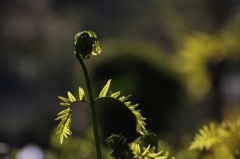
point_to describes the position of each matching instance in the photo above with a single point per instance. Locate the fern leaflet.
(63, 128)
(140, 123)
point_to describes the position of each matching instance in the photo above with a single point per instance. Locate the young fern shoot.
(64, 127)
(87, 44)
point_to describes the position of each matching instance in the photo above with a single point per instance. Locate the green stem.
(92, 105)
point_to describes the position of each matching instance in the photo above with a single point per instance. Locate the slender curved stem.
(92, 105)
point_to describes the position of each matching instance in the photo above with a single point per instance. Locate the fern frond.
(140, 123)
(64, 126)
(231, 138)
(232, 126)
(206, 138)
(222, 151)
(224, 139)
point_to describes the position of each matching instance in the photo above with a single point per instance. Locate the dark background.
(178, 59)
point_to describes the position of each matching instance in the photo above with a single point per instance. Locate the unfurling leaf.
(104, 91)
(86, 44)
(118, 143)
(140, 123)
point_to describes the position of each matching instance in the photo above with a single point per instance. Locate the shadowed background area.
(178, 60)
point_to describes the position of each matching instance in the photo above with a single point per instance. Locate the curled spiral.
(86, 44)
(121, 149)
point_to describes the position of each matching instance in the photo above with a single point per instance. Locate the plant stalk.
(93, 110)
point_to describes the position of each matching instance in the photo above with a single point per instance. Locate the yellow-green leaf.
(138, 149)
(122, 98)
(60, 127)
(154, 155)
(62, 116)
(104, 91)
(131, 108)
(64, 99)
(81, 94)
(146, 150)
(116, 94)
(206, 138)
(65, 104)
(135, 105)
(65, 130)
(61, 139)
(64, 111)
(127, 103)
(71, 97)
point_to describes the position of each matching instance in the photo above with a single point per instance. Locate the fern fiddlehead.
(87, 44)
(121, 149)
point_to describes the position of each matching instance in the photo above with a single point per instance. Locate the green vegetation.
(219, 141)
(222, 141)
(179, 61)
(86, 44)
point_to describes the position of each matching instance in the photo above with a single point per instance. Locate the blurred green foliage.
(75, 147)
(199, 51)
(220, 140)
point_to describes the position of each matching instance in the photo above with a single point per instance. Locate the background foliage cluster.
(221, 140)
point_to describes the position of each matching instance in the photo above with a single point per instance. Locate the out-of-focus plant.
(144, 147)
(87, 44)
(75, 147)
(196, 52)
(199, 51)
(220, 140)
